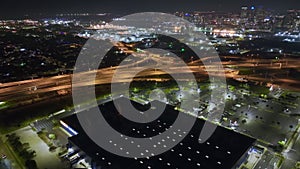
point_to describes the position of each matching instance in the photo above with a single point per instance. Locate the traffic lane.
(265, 161)
(294, 153)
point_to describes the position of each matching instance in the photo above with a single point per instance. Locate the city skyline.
(15, 10)
(111, 85)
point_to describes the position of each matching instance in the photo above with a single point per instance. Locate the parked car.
(3, 156)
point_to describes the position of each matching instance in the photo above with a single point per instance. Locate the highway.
(276, 72)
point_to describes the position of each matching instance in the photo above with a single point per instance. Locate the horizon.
(32, 8)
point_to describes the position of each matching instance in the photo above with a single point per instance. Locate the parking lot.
(43, 155)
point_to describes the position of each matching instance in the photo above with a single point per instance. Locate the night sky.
(18, 8)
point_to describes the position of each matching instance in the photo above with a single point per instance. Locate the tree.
(31, 164)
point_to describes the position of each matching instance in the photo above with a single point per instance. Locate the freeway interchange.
(256, 113)
(266, 71)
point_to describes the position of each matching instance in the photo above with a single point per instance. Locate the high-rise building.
(244, 12)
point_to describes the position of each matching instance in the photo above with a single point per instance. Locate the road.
(27, 91)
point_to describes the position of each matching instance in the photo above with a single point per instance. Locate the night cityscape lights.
(257, 46)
